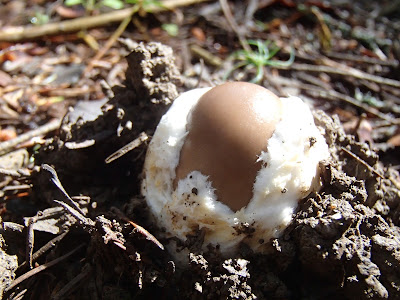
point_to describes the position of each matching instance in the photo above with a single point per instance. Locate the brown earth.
(344, 242)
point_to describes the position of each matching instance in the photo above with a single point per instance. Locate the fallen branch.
(14, 34)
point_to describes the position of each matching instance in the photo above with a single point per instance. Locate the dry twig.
(125, 149)
(138, 228)
(363, 162)
(10, 226)
(121, 28)
(208, 57)
(87, 222)
(363, 59)
(30, 236)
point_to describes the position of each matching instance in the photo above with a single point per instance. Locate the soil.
(83, 230)
(344, 241)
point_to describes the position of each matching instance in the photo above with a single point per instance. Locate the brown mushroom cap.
(227, 130)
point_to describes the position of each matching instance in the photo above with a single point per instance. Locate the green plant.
(171, 29)
(92, 4)
(40, 19)
(259, 58)
(368, 98)
(145, 5)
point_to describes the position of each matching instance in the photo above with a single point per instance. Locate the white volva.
(289, 173)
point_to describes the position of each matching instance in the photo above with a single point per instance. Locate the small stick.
(40, 269)
(251, 9)
(9, 146)
(358, 124)
(30, 239)
(58, 184)
(77, 215)
(9, 172)
(17, 187)
(139, 228)
(52, 243)
(209, 58)
(48, 213)
(121, 28)
(125, 149)
(20, 295)
(201, 73)
(147, 234)
(30, 236)
(363, 59)
(371, 169)
(10, 226)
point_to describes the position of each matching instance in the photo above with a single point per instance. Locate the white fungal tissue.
(289, 172)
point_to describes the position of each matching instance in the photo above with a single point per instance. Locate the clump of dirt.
(228, 280)
(95, 130)
(344, 241)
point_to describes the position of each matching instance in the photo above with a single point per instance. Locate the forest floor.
(73, 222)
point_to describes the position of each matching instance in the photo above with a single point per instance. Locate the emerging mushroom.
(230, 158)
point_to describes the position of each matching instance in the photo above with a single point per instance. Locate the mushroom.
(233, 161)
(227, 130)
